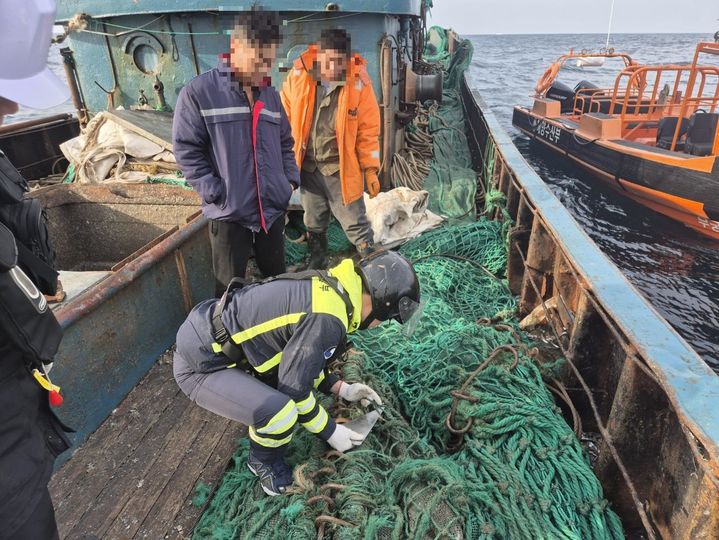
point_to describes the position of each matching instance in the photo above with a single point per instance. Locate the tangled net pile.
(470, 443)
(518, 471)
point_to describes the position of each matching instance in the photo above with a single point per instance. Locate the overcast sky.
(576, 16)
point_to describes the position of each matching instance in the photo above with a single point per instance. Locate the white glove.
(357, 392)
(344, 439)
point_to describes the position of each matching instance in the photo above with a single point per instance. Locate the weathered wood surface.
(135, 477)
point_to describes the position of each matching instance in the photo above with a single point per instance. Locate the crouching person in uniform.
(233, 143)
(31, 436)
(258, 355)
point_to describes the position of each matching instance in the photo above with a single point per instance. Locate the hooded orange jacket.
(357, 125)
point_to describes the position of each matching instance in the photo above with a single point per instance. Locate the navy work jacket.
(240, 160)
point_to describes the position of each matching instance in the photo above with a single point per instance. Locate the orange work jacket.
(357, 125)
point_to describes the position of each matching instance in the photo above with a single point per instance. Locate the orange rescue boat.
(654, 136)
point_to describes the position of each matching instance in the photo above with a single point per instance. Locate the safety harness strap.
(229, 348)
(232, 350)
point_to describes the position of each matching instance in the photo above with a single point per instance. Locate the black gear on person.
(317, 244)
(392, 284)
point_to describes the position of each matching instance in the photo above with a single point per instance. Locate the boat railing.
(653, 92)
(593, 100)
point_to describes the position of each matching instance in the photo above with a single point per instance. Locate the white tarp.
(105, 144)
(400, 214)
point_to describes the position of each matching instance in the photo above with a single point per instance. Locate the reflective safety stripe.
(318, 380)
(268, 443)
(306, 405)
(325, 300)
(318, 423)
(267, 326)
(374, 153)
(270, 113)
(282, 421)
(269, 364)
(225, 110)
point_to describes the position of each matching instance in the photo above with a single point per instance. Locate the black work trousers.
(41, 525)
(232, 245)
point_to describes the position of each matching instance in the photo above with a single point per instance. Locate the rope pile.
(470, 444)
(411, 164)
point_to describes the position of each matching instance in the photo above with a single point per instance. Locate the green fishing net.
(517, 472)
(296, 250)
(471, 444)
(451, 182)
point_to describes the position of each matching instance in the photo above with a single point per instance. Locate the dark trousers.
(321, 197)
(239, 396)
(232, 245)
(41, 525)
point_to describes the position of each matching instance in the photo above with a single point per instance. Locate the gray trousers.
(321, 197)
(236, 395)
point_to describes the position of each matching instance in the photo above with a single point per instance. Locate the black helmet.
(392, 283)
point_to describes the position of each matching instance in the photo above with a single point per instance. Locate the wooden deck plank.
(182, 441)
(160, 520)
(75, 486)
(211, 475)
(135, 477)
(133, 471)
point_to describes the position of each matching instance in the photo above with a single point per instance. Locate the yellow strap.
(269, 364)
(47, 385)
(306, 405)
(282, 421)
(318, 423)
(326, 300)
(267, 326)
(269, 443)
(318, 380)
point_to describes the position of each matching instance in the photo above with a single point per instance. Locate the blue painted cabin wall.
(93, 58)
(66, 9)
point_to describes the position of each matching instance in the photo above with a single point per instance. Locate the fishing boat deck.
(136, 475)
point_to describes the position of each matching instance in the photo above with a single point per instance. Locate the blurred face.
(332, 65)
(6, 107)
(250, 61)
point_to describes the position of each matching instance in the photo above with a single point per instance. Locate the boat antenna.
(609, 29)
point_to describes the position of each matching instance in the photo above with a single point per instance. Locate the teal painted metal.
(66, 9)
(116, 330)
(105, 62)
(685, 377)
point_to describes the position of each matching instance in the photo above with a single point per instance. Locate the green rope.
(520, 472)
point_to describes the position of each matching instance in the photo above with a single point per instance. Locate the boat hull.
(682, 187)
(631, 378)
(152, 256)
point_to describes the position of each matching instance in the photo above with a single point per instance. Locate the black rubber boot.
(365, 248)
(317, 243)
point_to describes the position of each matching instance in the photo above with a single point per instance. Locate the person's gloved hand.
(373, 185)
(357, 392)
(344, 439)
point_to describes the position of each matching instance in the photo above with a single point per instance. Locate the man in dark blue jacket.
(234, 145)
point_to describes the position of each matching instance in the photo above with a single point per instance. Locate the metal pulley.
(422, 87)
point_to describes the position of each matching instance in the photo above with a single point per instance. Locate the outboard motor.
(562, 93)
(587, 89)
